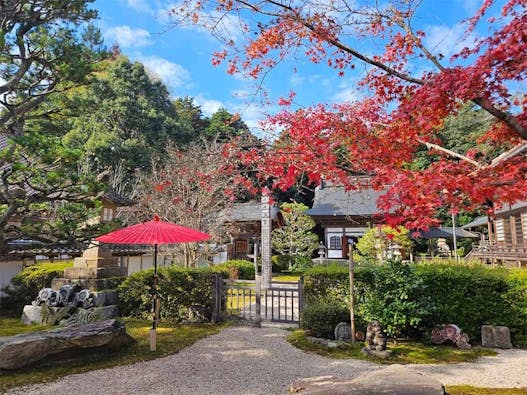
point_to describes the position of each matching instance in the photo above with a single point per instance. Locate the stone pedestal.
(92, 269)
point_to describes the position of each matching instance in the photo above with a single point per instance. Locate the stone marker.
(394, 380)
(21, 350)
(343, 331)
(495, 336)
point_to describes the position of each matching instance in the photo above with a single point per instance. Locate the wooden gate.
(282, 302)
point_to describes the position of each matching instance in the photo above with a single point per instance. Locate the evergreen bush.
(413, 299)
(180, 290)
(25, 285)
(237, 269)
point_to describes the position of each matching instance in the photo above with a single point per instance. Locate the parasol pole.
(155, 307)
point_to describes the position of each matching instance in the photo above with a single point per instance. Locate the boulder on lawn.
(24, 349)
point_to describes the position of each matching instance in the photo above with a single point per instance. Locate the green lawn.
(294, 277)
(170, 339)
(403, 352)
(469, 390)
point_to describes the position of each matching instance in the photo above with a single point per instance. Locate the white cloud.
(348, 91)
(140, 5)
(128, 37)
(446, 40)
(209, 106)
(172, 74)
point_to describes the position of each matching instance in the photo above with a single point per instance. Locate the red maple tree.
(404, 109)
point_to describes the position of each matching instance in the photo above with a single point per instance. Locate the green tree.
(224, 126)
(190, 115)
(123, 118)
(379, 242)
(295, 238)
(43, 55)
(40, 53)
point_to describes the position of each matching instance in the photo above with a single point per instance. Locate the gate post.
(258, 307)
(300, 298)
(217, 293)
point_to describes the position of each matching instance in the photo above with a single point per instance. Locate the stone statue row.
(65, 296)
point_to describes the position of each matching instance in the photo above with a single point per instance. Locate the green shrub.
(395, 297)
(237, 269)
(180, 291)
(516, 298)
(416, 298)
(332, 282)
(280, 263)
(468, 296)
(321, 318)
(25, 285)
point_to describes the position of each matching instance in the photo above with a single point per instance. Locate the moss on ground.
(171, 338)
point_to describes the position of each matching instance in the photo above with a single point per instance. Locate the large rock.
(495, 336)
(394, 380)
(24, 349)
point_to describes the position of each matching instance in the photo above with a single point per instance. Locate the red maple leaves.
(384, 134)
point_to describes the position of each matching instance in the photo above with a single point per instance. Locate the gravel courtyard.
(246, 360)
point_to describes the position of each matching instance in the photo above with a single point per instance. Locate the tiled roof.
(335, 200)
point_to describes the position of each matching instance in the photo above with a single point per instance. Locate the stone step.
(393, 380)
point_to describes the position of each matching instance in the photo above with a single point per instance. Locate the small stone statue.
(65, 295)
(45, 296)
(343, 331)
(375, 338)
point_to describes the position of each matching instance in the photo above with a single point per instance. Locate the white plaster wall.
(8, 269)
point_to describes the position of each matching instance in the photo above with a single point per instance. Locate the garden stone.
(451, 332)
(102, 298)
(24, 349)
(85, 316)
(394, 380)
(31, 315)
(495, 336)
(343, 331)
(382, 354)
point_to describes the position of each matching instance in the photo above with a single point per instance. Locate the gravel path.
(245, 360)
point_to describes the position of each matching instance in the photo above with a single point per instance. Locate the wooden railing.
(500, 251)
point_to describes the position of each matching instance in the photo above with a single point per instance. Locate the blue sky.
(182, 57)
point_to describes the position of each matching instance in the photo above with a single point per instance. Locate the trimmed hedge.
(25, 285)
(466, 295)
(237, 269)
(180, 290)
(321, 318)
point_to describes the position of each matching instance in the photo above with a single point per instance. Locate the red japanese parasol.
(154, 233)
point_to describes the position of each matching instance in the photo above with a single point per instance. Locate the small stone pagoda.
(85, 294)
